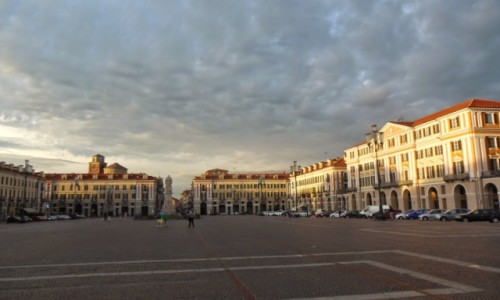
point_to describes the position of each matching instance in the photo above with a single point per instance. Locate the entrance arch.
(383, 198)
(432, 194)
(369, 199)
(78, 209)
(406, 200)
(460, 197)
(249, 208)
(491, 199)
(394, 200)
(203, 208)
(354, 206)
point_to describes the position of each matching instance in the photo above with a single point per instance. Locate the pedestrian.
(159, 220)
(190, 218)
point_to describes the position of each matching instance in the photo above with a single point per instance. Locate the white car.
(305, 214)
(403, 215)
(431, 215)
(338, 214)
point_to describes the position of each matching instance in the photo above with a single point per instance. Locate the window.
(456, 146)
(404, 139)
(428, 152)
(392, 143)
(435, 128)
(491, 118)
(458, 167)
(430, 172)
(404, 157)
(440, 170)
(454, 123)
(438, 150)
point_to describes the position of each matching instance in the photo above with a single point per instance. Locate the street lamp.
(294, 169)
(261, 183)
(376, 138)
(27, 170)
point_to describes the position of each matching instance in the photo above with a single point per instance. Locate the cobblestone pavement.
(249, 257)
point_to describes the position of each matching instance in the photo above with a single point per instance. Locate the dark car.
(351, 214)
(479, 215)
(15, 219)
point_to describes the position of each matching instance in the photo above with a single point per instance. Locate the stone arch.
(203, 208)
(406, 200)
(460, 197)
(354, 206)
(491, 196)
(369, 199)
(394, 200)
(383, 198)
(432, 195)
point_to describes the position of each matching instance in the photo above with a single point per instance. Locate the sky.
(180, 87)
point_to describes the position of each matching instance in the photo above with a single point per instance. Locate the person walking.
(191, 218)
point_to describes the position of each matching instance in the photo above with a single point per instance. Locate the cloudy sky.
(179, 87)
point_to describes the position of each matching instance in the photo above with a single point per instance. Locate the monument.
(168, 205)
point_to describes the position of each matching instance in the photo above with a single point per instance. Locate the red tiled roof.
(479, 103)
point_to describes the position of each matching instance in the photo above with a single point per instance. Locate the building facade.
(20, 189)
(220, 192)
(449, 159)
(318, 186)
(104, 190)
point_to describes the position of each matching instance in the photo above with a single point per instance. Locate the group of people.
(162, 218)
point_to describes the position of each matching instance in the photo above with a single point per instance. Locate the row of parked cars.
(458, 214)
(37, 218)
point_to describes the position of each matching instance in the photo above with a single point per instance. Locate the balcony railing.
(351, 190)
(489, 174)
(455, 177)
(394, 184)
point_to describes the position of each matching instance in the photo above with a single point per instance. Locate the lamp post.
(294, 169)
(27, 170)
(376, 138)
(261, 183)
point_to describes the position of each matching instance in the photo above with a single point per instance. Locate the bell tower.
(97, 165)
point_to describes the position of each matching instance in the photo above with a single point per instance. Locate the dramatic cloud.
(179, 87)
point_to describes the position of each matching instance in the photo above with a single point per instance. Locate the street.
(249, 257)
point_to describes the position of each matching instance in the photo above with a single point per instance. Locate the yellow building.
(20, 189)
(449, 159)
(220, 192)
(318, 186)
(104, 190)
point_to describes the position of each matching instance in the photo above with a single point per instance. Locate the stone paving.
(249, 257)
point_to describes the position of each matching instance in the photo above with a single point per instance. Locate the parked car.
(52, 218)
(414, 214)
(450, 215)
(320, 213)
(351, 214)
(305, 213)
(26, 218)
(337, 213)
(14, 219)
(39, 218)
(479, 215)
(77, 216)
(391, 214)
(403, 215)
(431, 215)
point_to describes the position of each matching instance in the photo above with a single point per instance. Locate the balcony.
(490, 174)
(350, 190)
(455, 177)
(394, 184)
